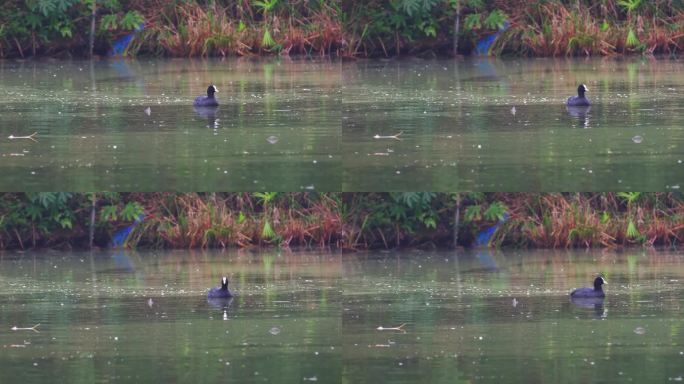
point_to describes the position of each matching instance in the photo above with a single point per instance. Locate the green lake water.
(145, 318)
(293, 125)
(502, 125)
(277, 127)
(476, 316)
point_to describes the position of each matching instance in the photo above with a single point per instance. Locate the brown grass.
(196, 30)
(592, 220)
(556, 29)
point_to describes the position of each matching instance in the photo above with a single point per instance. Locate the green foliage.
(632, 231)
(398, 22)
(582, 233)
(267, 232)
(473, 213)
(605, 217)
(131, 211)
(629, 5)
(109, 22)
(632, 40)
(47, 209)
(413, 7)
(109, 213)
(241, 26)
(414, 210)
(473, 21)
(46, 19)
(496, 19)
(629, 197)
(182, 28)
(497, 210)
(605, 26)
(50, 7)
(116, 210)
(265, 198)
(266, 6)
(413, 199)
(267, 41)
(116, 21)
(364, 220)
(48, 23)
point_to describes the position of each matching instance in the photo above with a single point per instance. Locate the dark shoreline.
(341, 28)
(341, 221)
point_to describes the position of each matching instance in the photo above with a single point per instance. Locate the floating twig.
(389, 344)
(15, 328)
(395, 137)
(398, 328)
(30, 137)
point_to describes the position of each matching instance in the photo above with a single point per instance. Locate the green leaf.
(629, 5)
(472, 21)
(410, 6)
(632, 231)
(267, 232)
(604, 26)
(428, 29)
(429, 222)
(629, 197)
(265, 197)
(267, 41)
(475, 4)
(47, 6)
(241, 26)
(397, 213)
(265, 6)
(108, 213)
(132, 20)
(108, 23)
(132, 211)
(65, 31)
(632, 40)
(34, 212)
(605, 217)
(65, 222)
(496, 19)
(496, 211)
(473, 213)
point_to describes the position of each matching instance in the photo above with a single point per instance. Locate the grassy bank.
(341, 220)
(341, 27)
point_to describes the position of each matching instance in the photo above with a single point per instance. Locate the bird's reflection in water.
(580, 113)
(208, 113)
(220, 303)
(595, 303)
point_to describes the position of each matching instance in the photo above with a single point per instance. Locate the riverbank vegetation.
(345, 28)
(348, 221)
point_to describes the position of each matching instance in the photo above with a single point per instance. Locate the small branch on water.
(15, 328)
(395, 137)
(29, 137)
(398, 328)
